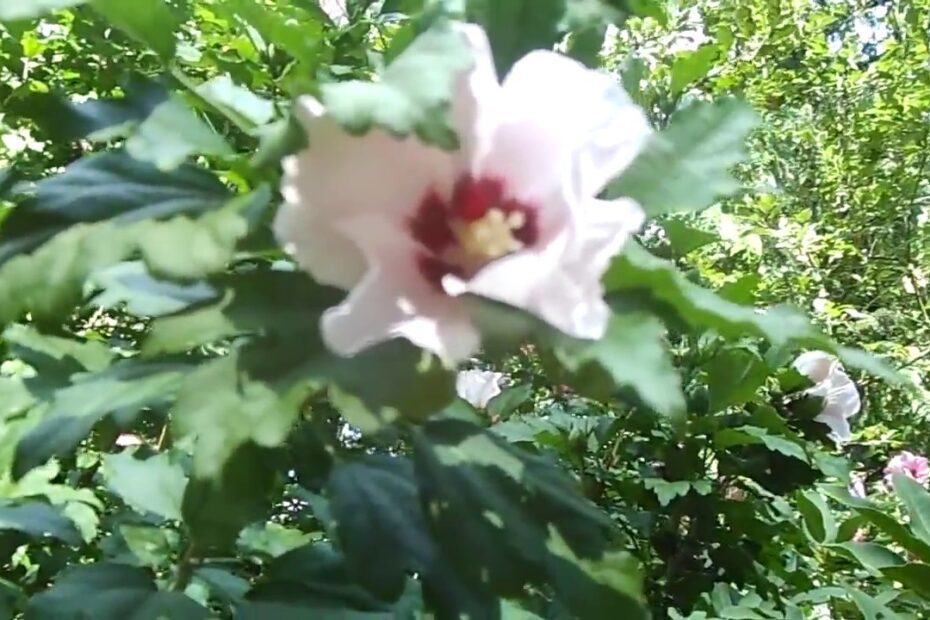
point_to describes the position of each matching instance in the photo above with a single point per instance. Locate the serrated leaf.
(376, 506)
(110, 591)
(38, 519)
(172, 133)
(130, 286)
(75, 409)
(749, 435)
(148, 21)
(410, 94)
(154, 485)
(222, 92)
(296, 31)
(666, 490)
(638, 270)
(692, 157)
(494, 508)
(633, 354)
(106, 186)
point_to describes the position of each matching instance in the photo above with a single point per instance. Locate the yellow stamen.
(491, 236)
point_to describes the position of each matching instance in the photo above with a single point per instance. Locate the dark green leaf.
(130, 286)
(149, 21)
(693, 157)
(37, 519)
(518, 26)
(108, 591)
(154, 485)
(733, 376)
(917, 502)
(632, 353)
(216, 508)
(691, 66)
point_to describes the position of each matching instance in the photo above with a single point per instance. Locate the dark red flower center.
(477, 225)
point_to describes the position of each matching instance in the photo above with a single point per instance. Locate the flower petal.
(588, 120)
(394, 300)
(560, 282)
(478, 387)
(476, 96)
(341, 175)
(815, 365)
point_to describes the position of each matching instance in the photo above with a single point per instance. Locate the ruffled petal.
(478, 387)
(589, 127)
(815, 365)
(341, 175)
(838, 424)
(560, 282)
(394, 300)
(476, 96)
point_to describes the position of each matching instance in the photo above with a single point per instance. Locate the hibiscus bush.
(437, 308)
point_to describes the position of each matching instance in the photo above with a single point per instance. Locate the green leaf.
(693, 157)
(216, 508)
(27, 343)
(109, 591)
(75, 409)
(107, 186)
(881, 519)
(271, 540)
(870, 555)
(154, 485)
(130, 286)
(691, 66)
(232, 98)
(99, 120)
(684, 238)
(298, 33)
(311, 582)
(38, 519)
(148, 21)
(750, 435)
(494, 510)
(410, 95)
(917, 502)
(172, 133)
(518, 26)
(821, 525)
(27, 9)
(632, 353)
(733, 376)
(665, 490)
(638, 270)
(914, 576)
(376, 506)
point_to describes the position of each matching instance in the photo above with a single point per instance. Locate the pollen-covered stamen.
(491, 236)
(476, 225)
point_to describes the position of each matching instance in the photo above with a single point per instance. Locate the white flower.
(336, 9)
(125, 440)
(831, 384)
(512, 216)
(478, 387)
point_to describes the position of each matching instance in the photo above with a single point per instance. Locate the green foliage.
(176, 440)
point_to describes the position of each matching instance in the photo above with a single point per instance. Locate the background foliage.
(176, 442)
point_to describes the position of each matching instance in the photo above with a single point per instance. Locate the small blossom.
(478, 387)
(125, 440)
(913, 466)
(336, 10)
(513, 215)
(857, 486)
(861, 535)
(831, 384)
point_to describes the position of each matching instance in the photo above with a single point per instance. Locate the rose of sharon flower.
(911, 465)
(511, 216)
(478, 387)
(833, 385)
